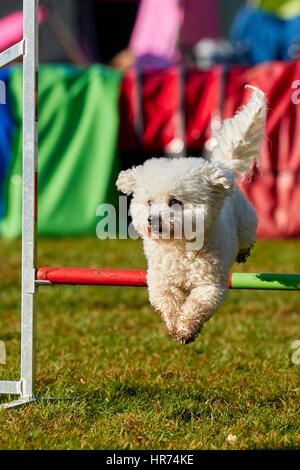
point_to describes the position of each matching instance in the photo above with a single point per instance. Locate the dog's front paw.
(186, 335)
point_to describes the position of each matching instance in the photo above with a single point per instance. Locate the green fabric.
(283, 8)
(78, 161)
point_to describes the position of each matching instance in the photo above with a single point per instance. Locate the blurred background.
(123, 80)
(80, 18)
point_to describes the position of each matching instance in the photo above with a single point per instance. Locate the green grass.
(138, 388)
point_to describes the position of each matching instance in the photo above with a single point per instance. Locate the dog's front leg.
(167, 298)
(200, 305)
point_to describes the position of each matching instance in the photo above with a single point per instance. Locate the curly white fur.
(188, 286)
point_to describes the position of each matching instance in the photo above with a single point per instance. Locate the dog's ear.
(239, 139)
(219, 177)
(126, 181)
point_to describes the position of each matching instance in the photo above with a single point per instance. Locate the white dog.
(186, 285)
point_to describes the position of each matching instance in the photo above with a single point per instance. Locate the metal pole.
(29, 198)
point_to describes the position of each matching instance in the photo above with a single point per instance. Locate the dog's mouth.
(159, 229)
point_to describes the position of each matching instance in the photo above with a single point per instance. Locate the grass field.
(136, 387)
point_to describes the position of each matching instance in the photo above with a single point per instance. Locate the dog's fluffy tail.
(238, 141)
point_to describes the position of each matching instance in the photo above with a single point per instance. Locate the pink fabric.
(11, 28)
(155, 33)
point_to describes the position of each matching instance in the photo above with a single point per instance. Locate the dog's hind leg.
(246, 227)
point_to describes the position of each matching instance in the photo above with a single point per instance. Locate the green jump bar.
(264, 281)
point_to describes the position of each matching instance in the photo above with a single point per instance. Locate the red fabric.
(203, 101)
(128, 108)
(276, 191)
(158, 107)
(161, 107)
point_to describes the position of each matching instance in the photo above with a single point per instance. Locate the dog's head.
(170, 192)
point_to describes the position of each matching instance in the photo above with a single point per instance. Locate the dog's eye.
(149, 203)
(173, 202)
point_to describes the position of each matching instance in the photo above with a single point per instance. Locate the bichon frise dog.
(187, 284)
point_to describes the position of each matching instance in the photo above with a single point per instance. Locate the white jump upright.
(28, 48)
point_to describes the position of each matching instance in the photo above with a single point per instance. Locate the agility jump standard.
(32, 277)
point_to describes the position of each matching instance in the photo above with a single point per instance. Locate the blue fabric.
(265, 37)
(6, 129)
(292, 36)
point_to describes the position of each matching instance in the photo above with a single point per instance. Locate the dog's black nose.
(149, 220)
